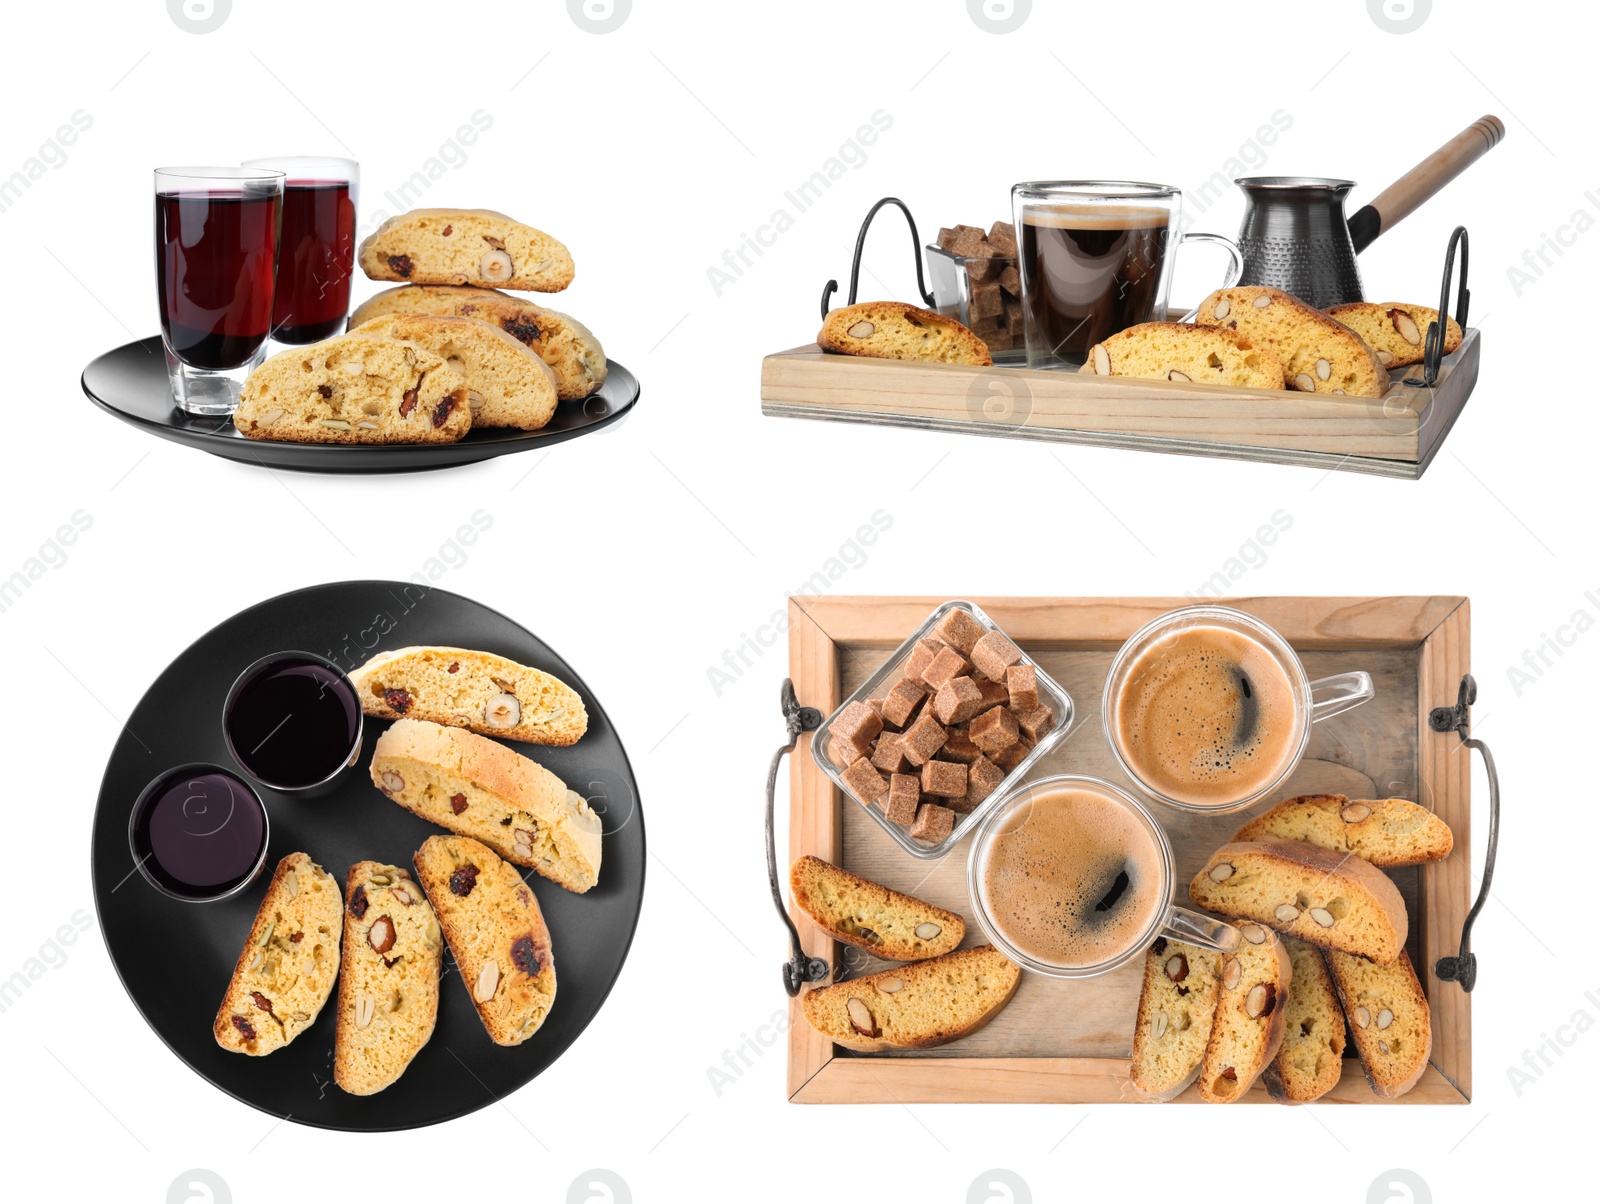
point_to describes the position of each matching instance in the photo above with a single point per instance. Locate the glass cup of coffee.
(293, 722)
(1071, 877)
(1096, 257)
(216, 264)
(317, 249)
(1209, 709)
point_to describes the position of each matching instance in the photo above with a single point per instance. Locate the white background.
(643, 553)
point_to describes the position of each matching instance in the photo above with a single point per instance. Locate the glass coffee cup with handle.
(1096, 257)
(1209, 709)
(1071, 877)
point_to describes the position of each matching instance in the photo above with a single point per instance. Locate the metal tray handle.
(855, 264)
(1463, 967)
(799, 969)
(1433, 345)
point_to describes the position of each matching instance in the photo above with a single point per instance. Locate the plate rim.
(231, 449)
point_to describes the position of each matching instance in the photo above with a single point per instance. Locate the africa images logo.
(599, 16)
(999, 16)
(198, 16)
(1399, 16)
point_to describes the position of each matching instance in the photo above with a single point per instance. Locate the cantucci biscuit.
(1388, 832)
(495, 931)
(915, 1006)
(1397, 332)
(354, 389)
(289, 963)
(1389, 1020)
(1248, 1026)
(1333, 900)
(479, 691)
(388, 977)
(1177, 1005)
(1311, 1059)
(465, 246)
(1319, 355)
(474, 787)
(1185, 354)
(566, 345)
(507, 384)
(893, 330)
(884, 922)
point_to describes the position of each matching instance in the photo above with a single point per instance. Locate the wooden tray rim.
(1286, 427)
(1437, 626)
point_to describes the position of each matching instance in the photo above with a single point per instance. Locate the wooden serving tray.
(1066, 1041)
(1393, 436)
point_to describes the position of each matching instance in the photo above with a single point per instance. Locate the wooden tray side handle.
(1425, 179)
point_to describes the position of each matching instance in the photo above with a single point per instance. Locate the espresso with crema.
(1206, 717)
(1091, 271)
(1073, 878)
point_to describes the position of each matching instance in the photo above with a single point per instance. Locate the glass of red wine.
(216, 265)
(316, 255)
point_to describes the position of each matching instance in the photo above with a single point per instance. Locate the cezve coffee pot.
(1295, 237)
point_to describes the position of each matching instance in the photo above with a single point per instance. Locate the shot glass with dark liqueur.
(216, 241)
(293, 722)
(316, 253)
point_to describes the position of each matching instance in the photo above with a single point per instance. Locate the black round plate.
(175, 958)
(130, 383)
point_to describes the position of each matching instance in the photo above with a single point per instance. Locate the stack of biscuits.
(1321, 960)
(382, 938)
(938, 994)
(443, 352)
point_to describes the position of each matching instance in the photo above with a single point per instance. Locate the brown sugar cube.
(1010, 758)
(960, 630)
(983, 776)
(998, 340)
(921, 657)
(994, 731)
(858, 725)
(994, 654)
(959, 747)
(971, 243)
(983, 269)
(1022, 684)
(983, 327)
(1037, 721)
(902, 700)
(1003, 238)
(957, 701)
(948, 665)
(944, 779)
(1010, 280)
(994, 694)
(922, 739)
(865, 782)
(900, 804)
(960, 805)
(1014, 319)
(933, 823)
(841, 752)
(888, 755)
(947, 238)
(983, 300)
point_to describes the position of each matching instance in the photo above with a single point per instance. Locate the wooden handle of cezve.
(1425, 179)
